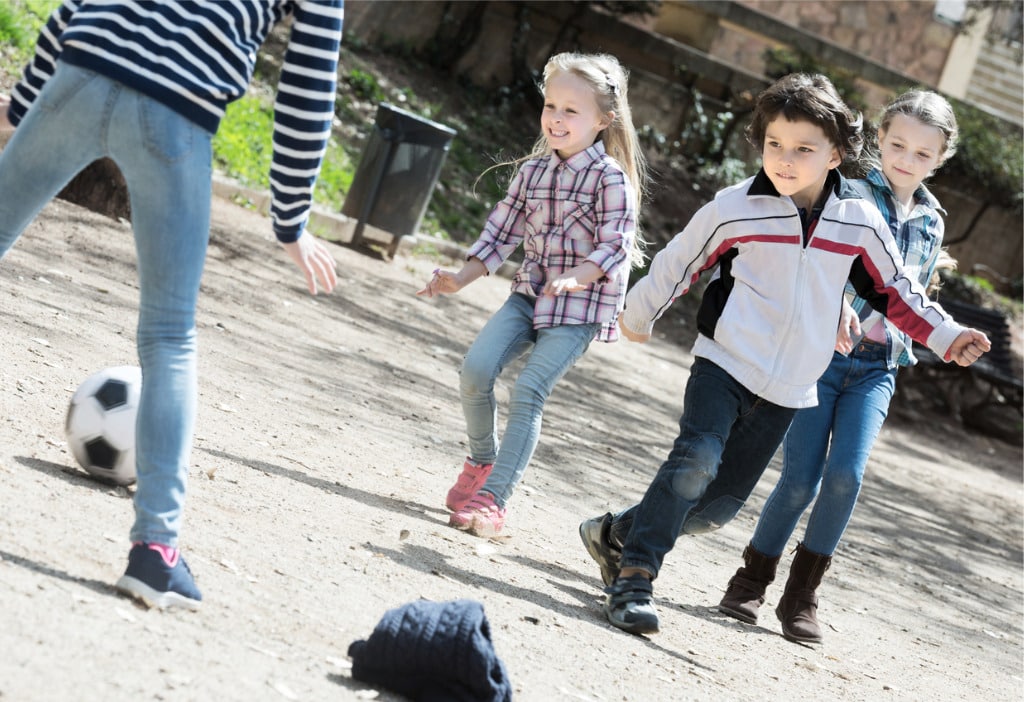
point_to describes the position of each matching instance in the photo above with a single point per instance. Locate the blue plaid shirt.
(919, 238)
(566, 212)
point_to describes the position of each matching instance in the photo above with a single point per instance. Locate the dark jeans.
(727, 436)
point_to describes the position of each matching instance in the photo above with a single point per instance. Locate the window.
(950, 11)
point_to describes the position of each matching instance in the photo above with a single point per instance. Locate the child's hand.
(632, 335)
(448, 282)
(969, 347)
(5, 124)
(849, 326)
(563, 284)
(315, 261)
(441, 282)
(574, 279)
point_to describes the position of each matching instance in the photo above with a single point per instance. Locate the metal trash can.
(397, 173)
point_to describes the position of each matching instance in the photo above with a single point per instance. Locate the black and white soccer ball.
(100, 425)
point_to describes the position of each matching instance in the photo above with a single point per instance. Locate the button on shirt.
(565, 212)
(919, 238)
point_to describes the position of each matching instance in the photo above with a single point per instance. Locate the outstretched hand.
(441, 282)
(969, 347)
(314, 260)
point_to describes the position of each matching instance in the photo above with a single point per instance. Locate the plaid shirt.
(565, 213)
(919, 238)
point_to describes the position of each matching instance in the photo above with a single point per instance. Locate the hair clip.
(612, 87)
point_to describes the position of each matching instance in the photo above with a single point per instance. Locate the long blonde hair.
(609, 80)
(944, 262)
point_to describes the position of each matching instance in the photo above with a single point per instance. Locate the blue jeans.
(727, 436)
(508, 335)
(165, 159)
(853, 401)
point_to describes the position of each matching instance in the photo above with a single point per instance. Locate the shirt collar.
(922, 196)
(577, 162)
(762, 185)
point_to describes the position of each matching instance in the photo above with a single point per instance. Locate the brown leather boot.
(798, 608)
(745, 593)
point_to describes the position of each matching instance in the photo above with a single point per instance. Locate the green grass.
(243, 149)
(243, 146)
(20, 22)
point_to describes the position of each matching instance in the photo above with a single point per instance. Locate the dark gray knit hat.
(433, 652)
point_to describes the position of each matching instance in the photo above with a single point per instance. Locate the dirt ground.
(329, 431)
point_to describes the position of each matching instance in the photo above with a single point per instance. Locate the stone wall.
(900, 34)
(994, 246)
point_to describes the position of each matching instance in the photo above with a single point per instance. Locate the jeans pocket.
(168, 135)
(62, 87)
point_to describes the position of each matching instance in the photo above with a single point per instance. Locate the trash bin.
(397, 173)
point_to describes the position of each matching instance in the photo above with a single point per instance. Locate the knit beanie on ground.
(433, 652)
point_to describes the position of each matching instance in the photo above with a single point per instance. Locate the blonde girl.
(573, 205)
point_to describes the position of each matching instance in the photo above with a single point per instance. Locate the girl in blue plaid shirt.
(573, 205)
(827, 447)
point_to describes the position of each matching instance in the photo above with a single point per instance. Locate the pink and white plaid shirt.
(565, 213)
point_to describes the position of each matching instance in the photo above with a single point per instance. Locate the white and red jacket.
(770, 315)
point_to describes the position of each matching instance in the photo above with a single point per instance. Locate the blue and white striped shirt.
(919, 238)
(196, 56)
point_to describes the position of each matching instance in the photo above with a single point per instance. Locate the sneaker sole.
(638, 628)
(136, 589)
(608, 574)
(484, 532)
(475, 527)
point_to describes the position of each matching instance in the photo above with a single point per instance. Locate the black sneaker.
(629, 606)
(594, 533)
(156, 582)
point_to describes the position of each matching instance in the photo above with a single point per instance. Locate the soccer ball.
(100, 425)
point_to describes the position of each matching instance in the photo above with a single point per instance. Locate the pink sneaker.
(480, 516)
(472, 478)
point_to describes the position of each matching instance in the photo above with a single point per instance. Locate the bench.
(995, 379)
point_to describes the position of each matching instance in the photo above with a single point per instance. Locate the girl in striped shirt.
(145, 84)
(573, 205)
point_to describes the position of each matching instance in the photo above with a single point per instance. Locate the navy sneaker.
(594, 533)
(629, 606)
(157, 582)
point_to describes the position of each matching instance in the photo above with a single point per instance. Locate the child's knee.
(691, 483)
(697, 468)
(476, 375)
(844, 484)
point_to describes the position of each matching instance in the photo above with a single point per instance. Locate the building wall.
(996, 81)
(900, 34)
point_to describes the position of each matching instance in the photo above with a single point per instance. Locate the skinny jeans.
(826, 452)
(81, 116)
(507, 336)
(727, 436)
